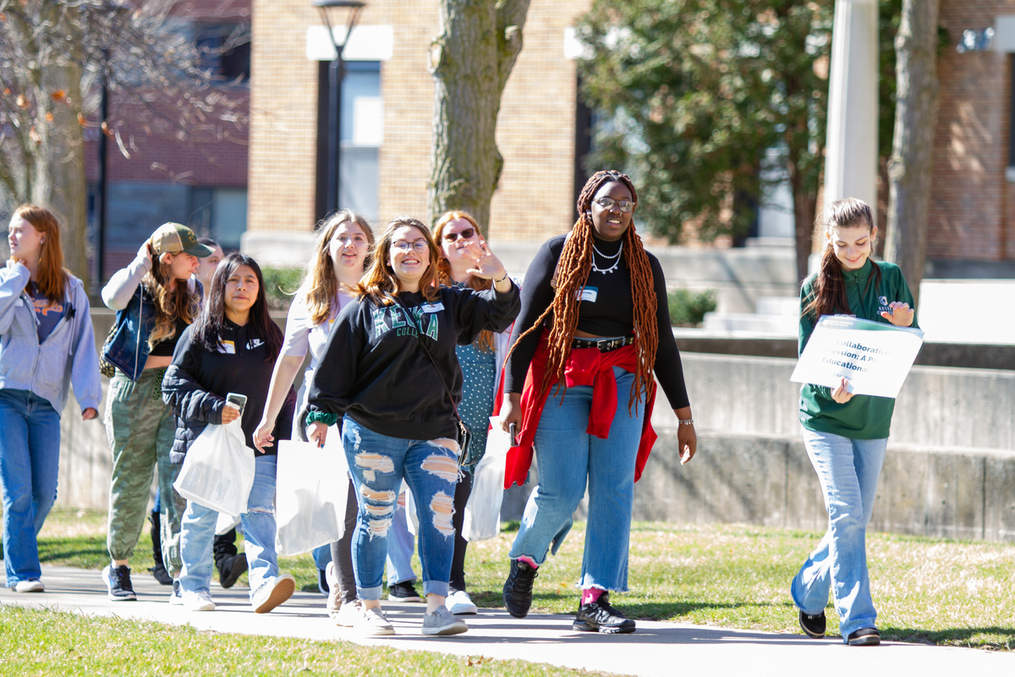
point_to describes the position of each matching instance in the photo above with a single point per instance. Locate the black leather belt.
(605, 345)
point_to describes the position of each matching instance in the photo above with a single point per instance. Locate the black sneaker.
(231, 568)
(813, 626)
(599, 616)
(160, 574)
(322, 582)
(518, 588)
(403, 592)
(864, 637)
(118, 583)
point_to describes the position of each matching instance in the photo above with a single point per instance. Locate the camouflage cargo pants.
(140, 428)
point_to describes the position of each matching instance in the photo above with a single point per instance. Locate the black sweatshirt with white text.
(375, 370)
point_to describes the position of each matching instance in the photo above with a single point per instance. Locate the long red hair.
(484, 341)
(50, 277)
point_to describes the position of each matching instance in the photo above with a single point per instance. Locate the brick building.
(200, 180)
(540, 121)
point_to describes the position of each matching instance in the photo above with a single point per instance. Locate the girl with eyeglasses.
(390, 373)
(593, 328)
(461, 243)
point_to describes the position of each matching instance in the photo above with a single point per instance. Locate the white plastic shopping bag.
(311, 490)
(482, 512)
(218, 471)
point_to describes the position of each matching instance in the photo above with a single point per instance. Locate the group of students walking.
(413, 339)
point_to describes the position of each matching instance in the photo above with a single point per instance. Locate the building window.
(225, 51)
(361, 133)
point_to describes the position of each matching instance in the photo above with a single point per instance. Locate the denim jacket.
(127, 349)
(66, 357)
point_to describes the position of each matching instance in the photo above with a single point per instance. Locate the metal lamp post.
(115, 10)
(336, 73)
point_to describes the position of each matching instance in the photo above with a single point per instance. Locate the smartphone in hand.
(236, 401)
(513, 431)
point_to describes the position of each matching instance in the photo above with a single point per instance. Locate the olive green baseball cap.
(173, 238)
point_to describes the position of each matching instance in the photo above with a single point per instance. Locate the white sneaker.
(34, 585)
(273, 593)
(441, 622)
(459, 603)
(176, 596)
(334, 594)
(198, 601)
(372, 622)
(348, 616)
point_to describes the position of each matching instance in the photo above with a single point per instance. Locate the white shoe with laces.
(198, 601)
(373, 622)
(349, 615)
(34, 585)
(460, 604)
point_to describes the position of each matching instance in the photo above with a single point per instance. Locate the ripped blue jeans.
(377, 464)
(258, 522)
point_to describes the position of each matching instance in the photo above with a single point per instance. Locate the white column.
(851, 155)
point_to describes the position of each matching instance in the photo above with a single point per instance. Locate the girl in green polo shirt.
(845, 434)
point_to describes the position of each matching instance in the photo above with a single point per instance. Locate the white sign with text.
(875, 357)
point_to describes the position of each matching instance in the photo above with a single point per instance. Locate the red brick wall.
(971, 201)
(160, 151)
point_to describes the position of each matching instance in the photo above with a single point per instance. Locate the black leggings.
(462, 491)
(341, 550)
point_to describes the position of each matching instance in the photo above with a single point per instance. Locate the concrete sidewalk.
(656, 649)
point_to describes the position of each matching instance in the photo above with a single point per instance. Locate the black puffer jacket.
(196, 383)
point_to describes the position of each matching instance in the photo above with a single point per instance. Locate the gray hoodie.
(67, 355)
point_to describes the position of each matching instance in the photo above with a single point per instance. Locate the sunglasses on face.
(466, 234)
(625, 206)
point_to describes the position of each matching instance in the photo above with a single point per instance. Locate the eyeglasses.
(625, 206)
(419, 246)
(465, 235)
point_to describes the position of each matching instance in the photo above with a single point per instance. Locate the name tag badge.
(432, 307)
(227, 347)
(589, 294)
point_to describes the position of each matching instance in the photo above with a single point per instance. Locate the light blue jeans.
(401, 543)
(258, 522)
(377, 464)
(848, 471)
(29, 460)
(568, 457)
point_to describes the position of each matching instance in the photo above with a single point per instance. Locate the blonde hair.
(322, 288)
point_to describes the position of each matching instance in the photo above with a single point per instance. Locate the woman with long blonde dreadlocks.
(579, 386)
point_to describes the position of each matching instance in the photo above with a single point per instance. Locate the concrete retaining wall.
(768, 480)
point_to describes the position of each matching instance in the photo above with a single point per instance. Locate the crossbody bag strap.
(419, 336)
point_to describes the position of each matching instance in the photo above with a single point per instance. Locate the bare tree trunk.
(59, 170)
(470, 60)
(909, 169)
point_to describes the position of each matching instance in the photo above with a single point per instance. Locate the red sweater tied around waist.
(585, 367)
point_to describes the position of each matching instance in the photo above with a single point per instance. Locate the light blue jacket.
(67, 355)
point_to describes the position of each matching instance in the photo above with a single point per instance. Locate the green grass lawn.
(735, 576)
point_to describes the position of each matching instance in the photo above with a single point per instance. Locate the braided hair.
(569, 279)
